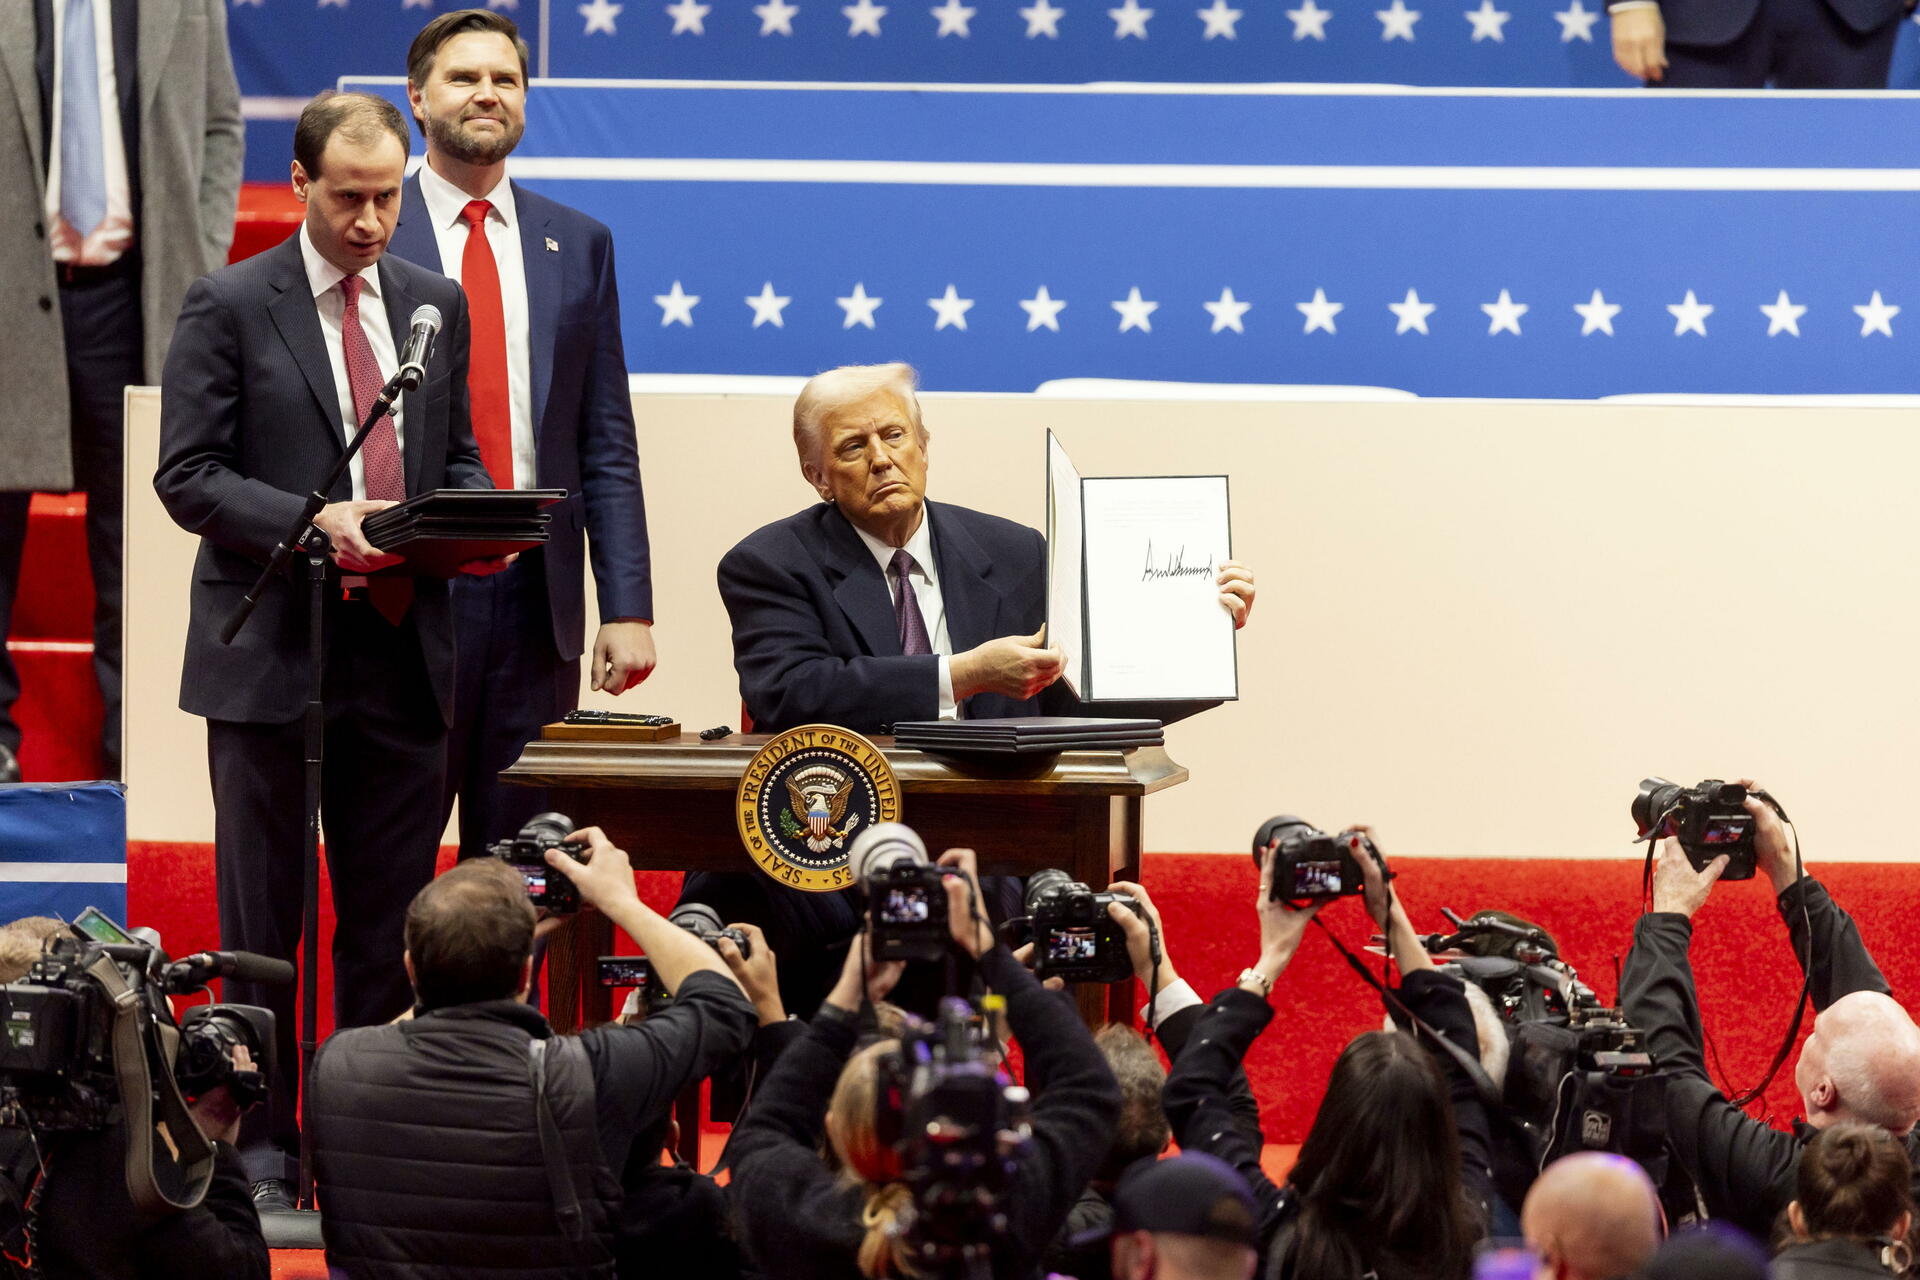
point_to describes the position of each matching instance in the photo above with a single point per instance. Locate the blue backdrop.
(1447, 243)
(291, 49)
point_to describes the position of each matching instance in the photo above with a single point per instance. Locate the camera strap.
(566, 1197)
(154, 1108)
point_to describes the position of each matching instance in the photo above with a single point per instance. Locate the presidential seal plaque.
(803, 797)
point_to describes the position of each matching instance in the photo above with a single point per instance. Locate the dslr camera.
(527, 854)
(703, 922)
(1310, 864)
(1073, 936)
(1707, 820)
(906, 897)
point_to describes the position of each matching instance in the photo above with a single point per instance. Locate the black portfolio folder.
(1027, 735)
(438, 531)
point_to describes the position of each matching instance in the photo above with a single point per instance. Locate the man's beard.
(448, 137)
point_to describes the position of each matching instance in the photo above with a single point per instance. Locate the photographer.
(86, 1225)
(1392, 1179)
(803, 1220)
(469, 1139)
(1853, 1211)
(1862, 1061)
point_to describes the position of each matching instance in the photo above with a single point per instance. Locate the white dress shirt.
(324, 278)
(101, 245)
(444, 202)
(926, 593)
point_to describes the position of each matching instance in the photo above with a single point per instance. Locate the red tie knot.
(476, 212)
(350, 287)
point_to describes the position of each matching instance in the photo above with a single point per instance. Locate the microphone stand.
(313, 543)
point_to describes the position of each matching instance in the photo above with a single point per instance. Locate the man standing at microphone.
(274, 363)
(550, 407)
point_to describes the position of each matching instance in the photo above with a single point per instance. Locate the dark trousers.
(100, 314)
(508, 681)
(1792, 44)
(380, 819)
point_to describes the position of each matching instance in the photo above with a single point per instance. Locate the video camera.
(90, 1041)
(1580, 1076)
(906, 897)
(1310, 864)
(527, 854)
(961, 1130)
(1073, 936)
(1707, 820)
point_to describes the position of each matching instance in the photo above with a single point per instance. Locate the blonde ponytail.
(887, 1215)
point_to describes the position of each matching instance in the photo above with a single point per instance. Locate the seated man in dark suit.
(1753, 44)
(876, 606)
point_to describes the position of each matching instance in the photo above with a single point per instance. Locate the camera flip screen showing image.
(535, 879)
(1317, 879)
(1069, 945)
(1724, 832)
(904, 906)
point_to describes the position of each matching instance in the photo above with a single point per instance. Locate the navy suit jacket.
(814, 638)
(1711, 23)
(582, 415)
(249, 423)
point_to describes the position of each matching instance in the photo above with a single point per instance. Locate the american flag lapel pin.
(553, 246)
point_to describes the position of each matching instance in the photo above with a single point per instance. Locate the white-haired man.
(1862, 1061)
(875, 606)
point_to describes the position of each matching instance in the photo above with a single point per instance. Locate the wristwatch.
(1254, 975)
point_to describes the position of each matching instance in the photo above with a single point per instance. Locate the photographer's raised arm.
(605, 881)
(1739, 1164)
(1816, 925)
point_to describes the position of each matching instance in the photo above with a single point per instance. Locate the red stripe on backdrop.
(1747, 974)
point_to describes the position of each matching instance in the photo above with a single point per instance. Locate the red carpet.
(1747, 975)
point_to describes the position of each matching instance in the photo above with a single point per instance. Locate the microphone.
(204, 966)
(413, 357)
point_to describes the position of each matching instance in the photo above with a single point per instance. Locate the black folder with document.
(438, 531)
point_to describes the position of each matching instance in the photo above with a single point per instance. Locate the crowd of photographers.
(1501, 1124)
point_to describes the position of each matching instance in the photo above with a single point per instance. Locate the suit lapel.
(298, 322)
(542, 270)
(17, 30)
(159, 20)
(972, 603)
(861, 589)
(413, 235)
(396, 292)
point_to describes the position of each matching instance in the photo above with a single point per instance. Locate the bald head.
(1592, 1216)
(1862, 1063)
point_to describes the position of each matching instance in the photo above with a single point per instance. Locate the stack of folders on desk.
(1027, 735)
(438, 531)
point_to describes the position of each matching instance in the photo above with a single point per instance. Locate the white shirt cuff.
(948, 710)
(1173, 997)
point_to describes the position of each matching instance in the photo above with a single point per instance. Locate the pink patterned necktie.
(906, 609)
(380, 455)
(385, 475)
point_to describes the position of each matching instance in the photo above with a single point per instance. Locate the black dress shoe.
(273, 1195)
(9, 765)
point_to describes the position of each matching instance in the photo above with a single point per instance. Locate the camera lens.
(1655, 797)
(696, 917)
(1283, 828)
(546, 829)
(1042, 885)
(883, 845)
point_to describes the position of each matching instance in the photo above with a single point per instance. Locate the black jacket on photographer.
(427, 1140)
(89, 1229)
(802, 1220)
(1212, 1108)
(1745, 1170)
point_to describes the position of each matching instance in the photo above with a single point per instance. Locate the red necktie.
(384, 474)
(491, 407)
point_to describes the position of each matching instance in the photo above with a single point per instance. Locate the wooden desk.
(670, 806)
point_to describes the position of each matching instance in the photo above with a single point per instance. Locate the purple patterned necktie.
(384, 473)
(906, 610)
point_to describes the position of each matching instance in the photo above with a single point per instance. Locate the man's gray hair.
(850, 384)
(1874, 1062)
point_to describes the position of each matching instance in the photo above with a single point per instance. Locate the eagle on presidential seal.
(816, 802)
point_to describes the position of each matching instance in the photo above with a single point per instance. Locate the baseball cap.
(1191, 1194)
